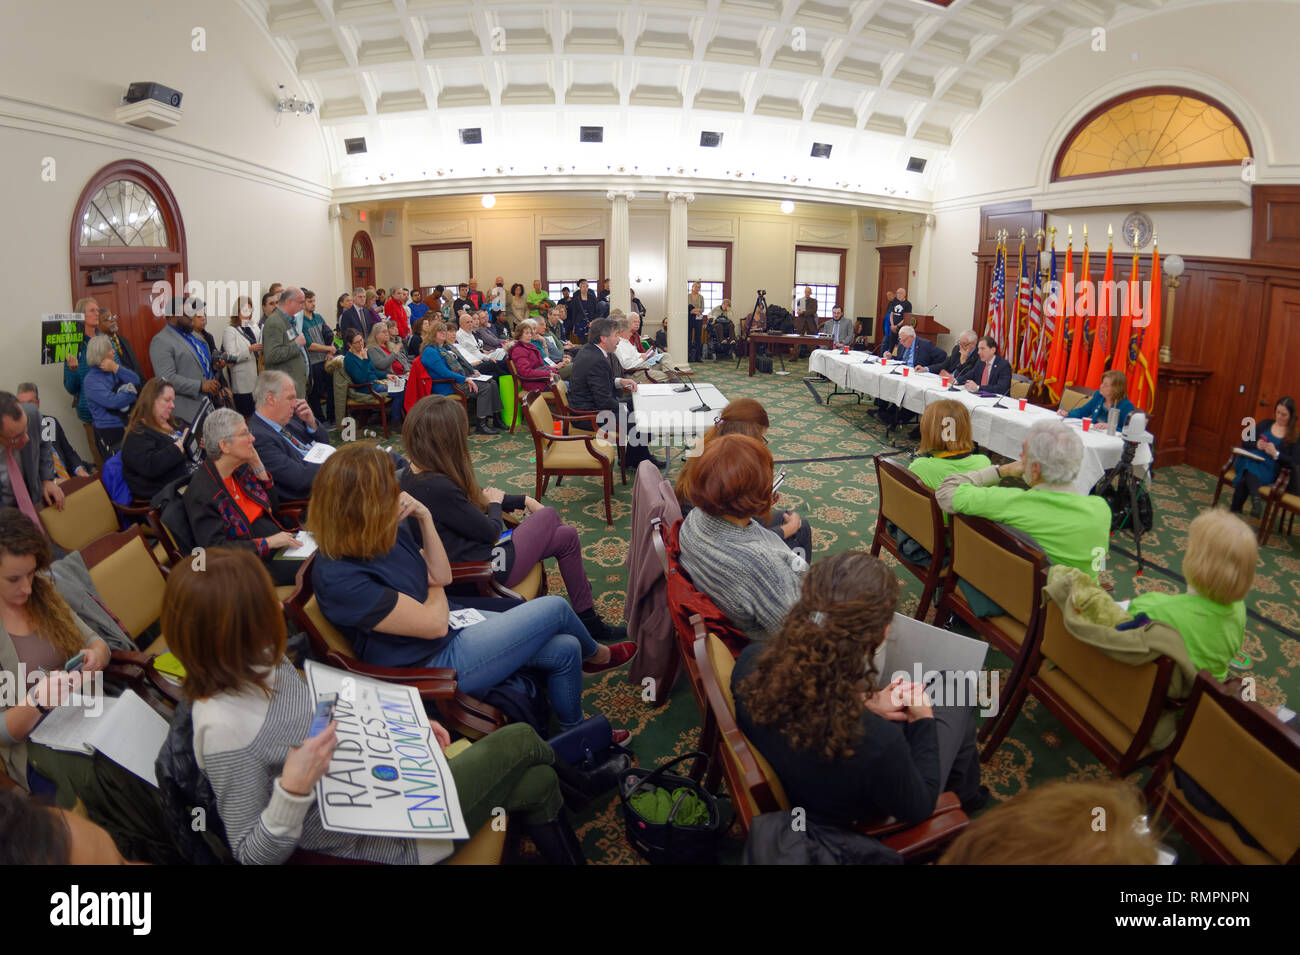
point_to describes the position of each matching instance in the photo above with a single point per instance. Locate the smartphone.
(324, 713)
(75, 663)
(779, 478)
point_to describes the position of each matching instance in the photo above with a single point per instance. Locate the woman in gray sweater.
(750, 573)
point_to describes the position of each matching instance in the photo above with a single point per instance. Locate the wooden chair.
(522, 396)
(130, 582)
(756, 789)
(87, 514)
(357, 403)
(558, 400)
(1020, 387)
(1248, 760)
(1281, 504)
(1111, 707)
(1269, 494)
(559, 455)
(1072, 397)
(437, 685)
(909, 503)
(1010, 572)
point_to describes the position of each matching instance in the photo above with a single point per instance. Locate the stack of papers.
(125, 729)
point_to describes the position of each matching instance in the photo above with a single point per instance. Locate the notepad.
(305, 547)
(126, 730)
(318, 453)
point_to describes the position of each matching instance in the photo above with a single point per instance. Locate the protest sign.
(61, 336)
(387, 776)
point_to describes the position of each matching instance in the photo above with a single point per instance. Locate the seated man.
(284, 430)
(467, 346)
(991, 374)
(961, 361)
(67, 463)
(593, 387)
(913, 352)
(631, 354)
(1071, 528)
(838, 328)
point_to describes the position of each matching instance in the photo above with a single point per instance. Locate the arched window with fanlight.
(363, 260)
(1152, 129)
(127, 234)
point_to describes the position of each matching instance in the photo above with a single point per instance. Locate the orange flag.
(1143, 377)
(1077, 362)
(1131, 303)
(1101, 338)
(1060, 349)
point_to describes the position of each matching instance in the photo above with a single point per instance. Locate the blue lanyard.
(200, 350)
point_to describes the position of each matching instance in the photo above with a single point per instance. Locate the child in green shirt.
(1219, 565)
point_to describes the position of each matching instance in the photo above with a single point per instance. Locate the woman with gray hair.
(232, 501)
(110, 392)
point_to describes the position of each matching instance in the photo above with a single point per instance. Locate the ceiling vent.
(915, 164)
(471, 137)
(710, 139)
(821, 151)
(355, 146)
(591, 134)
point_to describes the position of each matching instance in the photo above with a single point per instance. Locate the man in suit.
(992, 373)
(357, 316)
(182, 358)
(67, 463)
(839, 328)
(284, 430)
(962, 358)
(28, 473)
(284, 345)
(914, 352)
(593, 387)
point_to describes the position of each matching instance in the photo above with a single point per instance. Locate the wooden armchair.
(1248, 761)
(130, 582)
(87, 514)
(436, 685)
(1270, 494)
(756, 788)
(522, 395)
(1071, 398)
(909, 503)
(356, 402)
(1111, 707)
(558, 400)
(578, 454)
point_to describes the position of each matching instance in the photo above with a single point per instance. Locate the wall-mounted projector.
(155, 91)
(150, 106)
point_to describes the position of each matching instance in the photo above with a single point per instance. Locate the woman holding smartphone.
(153, 451)
(252, 712)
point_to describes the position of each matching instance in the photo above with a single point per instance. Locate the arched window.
(126, 234)
(363, 260)
(1149, 129)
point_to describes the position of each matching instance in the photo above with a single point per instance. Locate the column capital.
(684, 196)
(627, 194)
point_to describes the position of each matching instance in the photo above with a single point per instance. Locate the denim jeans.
(544, 634)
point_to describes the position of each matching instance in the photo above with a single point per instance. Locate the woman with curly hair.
(844, 749)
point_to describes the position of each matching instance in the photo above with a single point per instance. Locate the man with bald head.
(899, 307)
(284, 344)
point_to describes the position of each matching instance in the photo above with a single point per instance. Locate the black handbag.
(667, 843)
(763, 364)
(587, 760)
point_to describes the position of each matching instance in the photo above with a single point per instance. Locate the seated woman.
(747, 416)
(441, 361)
(386, 595)
(39, 633)
(946, 448)
(252, 711)
(153, 451)
(1219, 565)
(440, 475)
(110, 393)
(1276, 440)
(361, 371)
(232, 499)
(415, 343)
(1113, 393)
(749, 572)
(530, 364)
(381, 352)
(397, 347)
(844, 748)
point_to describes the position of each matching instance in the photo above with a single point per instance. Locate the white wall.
(253, 196)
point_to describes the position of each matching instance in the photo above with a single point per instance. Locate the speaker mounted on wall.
(389, 226)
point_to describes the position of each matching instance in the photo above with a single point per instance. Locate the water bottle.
(1112, 421)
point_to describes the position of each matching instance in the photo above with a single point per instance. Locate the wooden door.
(895, 271)
(128, 298)
(1277, 377)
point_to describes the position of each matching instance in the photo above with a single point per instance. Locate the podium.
(926, 326)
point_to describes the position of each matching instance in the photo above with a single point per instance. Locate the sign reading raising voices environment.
(61, 336)
(387, 776)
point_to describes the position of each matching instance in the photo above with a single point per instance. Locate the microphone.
(704, 405)
(674, 376)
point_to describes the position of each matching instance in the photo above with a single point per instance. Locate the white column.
(919, 291)
(675, 293)
(619, 252)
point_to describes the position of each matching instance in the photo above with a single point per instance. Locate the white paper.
(912, 642)
(480, 377)
(1249, 454)
(465, 617)
(318, 453)
(305, 547)
(387, 776)
(131, 736)
(68, 728)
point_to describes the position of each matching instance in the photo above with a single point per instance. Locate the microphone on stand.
(674, 376)
(704, 405)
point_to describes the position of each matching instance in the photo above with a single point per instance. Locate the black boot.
(600, 631)
(557, 842)
(485, 428)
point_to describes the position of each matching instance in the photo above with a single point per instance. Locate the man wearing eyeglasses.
(28, 472)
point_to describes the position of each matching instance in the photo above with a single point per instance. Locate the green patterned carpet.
(833, 485)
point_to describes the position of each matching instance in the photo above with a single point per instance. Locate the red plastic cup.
(846, 349)
(1087, 424)
(884, 360)
(945, 380)
(1023, 402)
(905, 371)
(559, 428)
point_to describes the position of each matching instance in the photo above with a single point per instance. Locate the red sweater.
(393, 309)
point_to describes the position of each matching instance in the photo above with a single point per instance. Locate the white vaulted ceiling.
(878, 80)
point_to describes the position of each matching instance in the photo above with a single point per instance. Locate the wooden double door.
(129, 297)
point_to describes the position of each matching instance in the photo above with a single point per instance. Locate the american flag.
(1020, 326)
(995, 327)
(1048, 333)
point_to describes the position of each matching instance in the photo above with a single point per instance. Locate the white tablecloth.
(664, 414)
(1002, 430)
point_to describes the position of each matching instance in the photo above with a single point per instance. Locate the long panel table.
(1002, 430)
(664, 415)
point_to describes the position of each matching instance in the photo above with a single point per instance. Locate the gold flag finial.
(1110, 232)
